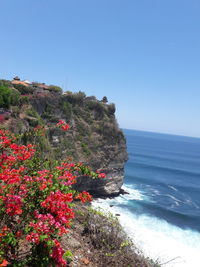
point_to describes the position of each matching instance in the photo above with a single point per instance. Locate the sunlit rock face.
(94, 137)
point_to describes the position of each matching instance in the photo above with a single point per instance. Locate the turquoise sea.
(161, 213)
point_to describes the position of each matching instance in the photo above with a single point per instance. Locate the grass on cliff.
(99, 238)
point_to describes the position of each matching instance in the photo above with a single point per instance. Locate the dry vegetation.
(98, 240)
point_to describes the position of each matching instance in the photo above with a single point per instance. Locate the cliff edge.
(94, 137)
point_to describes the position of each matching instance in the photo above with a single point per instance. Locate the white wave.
(174, 198)
(172, 187)
(191, 203)
(177, 202)
(156, 238)
(132, 193)
(155, 192)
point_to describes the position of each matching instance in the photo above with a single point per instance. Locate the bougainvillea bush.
(36, 205)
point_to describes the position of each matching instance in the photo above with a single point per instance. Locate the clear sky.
(144, 55)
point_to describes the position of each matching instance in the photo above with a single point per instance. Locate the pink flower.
(33, 237)
(57, 254)
(102, 175)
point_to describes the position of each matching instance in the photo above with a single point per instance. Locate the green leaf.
(43, 237)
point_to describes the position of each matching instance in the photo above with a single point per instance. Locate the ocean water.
(161, 213)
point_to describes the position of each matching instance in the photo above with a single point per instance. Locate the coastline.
(156, 239)
(97, 239)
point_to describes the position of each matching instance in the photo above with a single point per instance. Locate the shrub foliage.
(8, 96)
(36, 202)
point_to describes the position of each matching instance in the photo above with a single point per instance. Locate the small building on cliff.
(16, 80)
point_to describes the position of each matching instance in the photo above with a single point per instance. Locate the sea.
(161, 213)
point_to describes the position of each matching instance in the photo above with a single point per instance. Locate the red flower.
(18, 234)
(64, 126)
(13, 205)
(61, 122)
(84, 197)
(33, 237)
(4, 263)
(57, 254)
(102, 175)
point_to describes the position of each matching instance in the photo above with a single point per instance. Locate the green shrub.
(53, 119)
(5, 83)
(111, 109)
(36, 119)
(75, 98)
(49, 108)
(86, 149)
(77, 111)
(67, 109)
(68, 92)
(24, 99)
(33, 122)
(36, 207)
(15, 111)
(82, 129)
(31, 112)
(24, 89)
(8, 97)
(55, 88)
(47, 116)
(97, 106)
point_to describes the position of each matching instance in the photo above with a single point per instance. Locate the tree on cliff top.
(8, 96)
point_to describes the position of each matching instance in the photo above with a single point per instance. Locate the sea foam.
(156, 238)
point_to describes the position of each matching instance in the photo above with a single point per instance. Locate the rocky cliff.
(94, 136)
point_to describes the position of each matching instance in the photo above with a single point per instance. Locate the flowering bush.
(36, 206)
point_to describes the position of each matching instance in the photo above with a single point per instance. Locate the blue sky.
(144, 55)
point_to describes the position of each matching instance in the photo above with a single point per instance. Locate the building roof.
(26, 81)
(16, 78)
(19, 82)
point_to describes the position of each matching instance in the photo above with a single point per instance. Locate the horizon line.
(149, 131)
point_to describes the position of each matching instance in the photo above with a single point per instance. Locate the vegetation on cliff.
(37, 199)
(94, 136)
(36, 202)
(8, 96)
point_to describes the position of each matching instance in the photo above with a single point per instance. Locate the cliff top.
(94, 136)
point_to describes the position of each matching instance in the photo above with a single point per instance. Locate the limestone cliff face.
(94, 137)
(110, 158)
